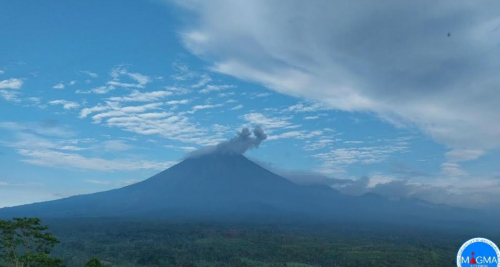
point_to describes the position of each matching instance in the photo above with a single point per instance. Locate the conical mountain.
(231, 187)
(210, 185)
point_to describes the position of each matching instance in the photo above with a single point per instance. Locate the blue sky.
(95, 95)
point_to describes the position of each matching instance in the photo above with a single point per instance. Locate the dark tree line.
(25, 242)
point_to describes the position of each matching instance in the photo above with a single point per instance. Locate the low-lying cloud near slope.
(428, 64)
(238, 145)
(470, 194)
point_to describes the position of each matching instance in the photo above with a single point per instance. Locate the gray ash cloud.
(238, 145)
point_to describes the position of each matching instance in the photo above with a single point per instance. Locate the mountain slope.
(208, 185)
(226, 187)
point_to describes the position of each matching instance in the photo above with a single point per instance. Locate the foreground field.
(138, 243)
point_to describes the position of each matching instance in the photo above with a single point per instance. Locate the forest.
(168, 243)
(142, 242)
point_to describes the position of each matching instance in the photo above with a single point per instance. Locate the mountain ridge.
(225, 187)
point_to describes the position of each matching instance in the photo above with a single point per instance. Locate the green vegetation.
(153, 243)
(26, 243)
(94, 262)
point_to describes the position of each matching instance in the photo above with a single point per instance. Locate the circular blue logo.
(478, 252)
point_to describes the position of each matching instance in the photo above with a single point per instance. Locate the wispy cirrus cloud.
(51, 158)
(196, 108)
(58, 86)
(240, 106)
(141, 120)
(204, 80)
(295, 135)
(65, 103)
(119, 72)
(52, 149)
(269, 122)
(45, 128)
(100, 90)
(178, 102)
(137, 96)
(336, 160)
(215, 88)
(11, 96)
(89, 73)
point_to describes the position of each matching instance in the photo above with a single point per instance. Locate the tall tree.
(25, 242)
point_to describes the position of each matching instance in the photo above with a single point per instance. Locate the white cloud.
(336, 160)
(178, 90)
(115, 109)
(58, 86)
(89, 73)
(40, 128)
(328, 52)
(12, 83)
(269, 123)
(2, 72)
(119, 72)
(183, 148)
(139, 120)
(240, 106)
(300, 107)
(177, 102)
(63, 153)
(204, 80)
(220, 128)
(87, 111)
(71, 148)
(100, 90)
(116, 145)
(214, 88)
(50, 158)
(118, 111)
(173, 127)
(10, 96)
(317, 145)
(137, 96)
(121, 84)
(201, 107)
(261, 95)
(66, 104)
(183, 73)
(311, 118)
(452, 169)
(226, 95)
(35, 101)
(353, 142)
(457, 155)
(479, 193)
(295, 135)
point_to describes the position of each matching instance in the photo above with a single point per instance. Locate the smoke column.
(238, 145)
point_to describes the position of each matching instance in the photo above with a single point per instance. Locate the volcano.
(227, 187)
(210, 185)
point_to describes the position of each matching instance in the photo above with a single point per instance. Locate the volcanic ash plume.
(239, 144)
